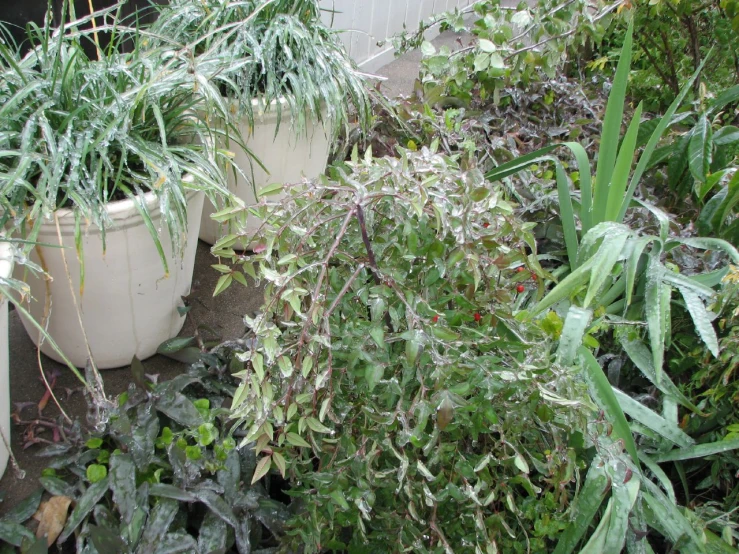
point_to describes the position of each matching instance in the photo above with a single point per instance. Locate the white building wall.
(366, 22)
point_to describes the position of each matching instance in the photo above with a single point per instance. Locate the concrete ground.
(222, 314)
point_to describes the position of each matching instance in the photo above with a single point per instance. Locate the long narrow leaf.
(602, 393)
(654, 140)
(576, 322)
(698, 451)
(612, 129)
(586, 506)
(620, 177)
(652, 420)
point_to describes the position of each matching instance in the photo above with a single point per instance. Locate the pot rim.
(120, 212)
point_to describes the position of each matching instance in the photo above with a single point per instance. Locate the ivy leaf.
(263, 467)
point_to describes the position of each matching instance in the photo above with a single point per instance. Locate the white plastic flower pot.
(288, 157)
(6, 269)
(128, 304)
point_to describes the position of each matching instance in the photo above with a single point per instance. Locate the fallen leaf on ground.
(52, 516)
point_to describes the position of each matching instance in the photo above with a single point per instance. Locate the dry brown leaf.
(52, 516)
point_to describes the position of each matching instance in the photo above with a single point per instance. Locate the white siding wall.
(366, 22)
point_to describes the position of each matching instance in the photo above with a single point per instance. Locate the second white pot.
(288, 157)
(129, 304)
(6, 269)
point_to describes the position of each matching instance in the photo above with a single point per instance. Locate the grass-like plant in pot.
(97, 155)
(294, 88)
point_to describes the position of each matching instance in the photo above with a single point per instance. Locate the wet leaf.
(157, 525)
(123, 484)
(138, 374)
(297, 440)
(84, 506)
(57, 487)
(96, 472)
(25, 508)
(106, 541)
(212, 534)
(177, 543)
(170, 491)
(373, 374)
(180, 408)
(218, 506)
(14, 533)
(52, 516)
(175, 345)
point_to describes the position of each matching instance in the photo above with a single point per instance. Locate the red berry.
(520, 288)
(486, 225)
(519, 269)
(478, 317)
(533, 277)
(435, 318)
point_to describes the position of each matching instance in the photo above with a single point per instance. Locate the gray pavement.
(220, 316)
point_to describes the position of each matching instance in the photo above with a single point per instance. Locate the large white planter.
(129, 305)
(288, 157)
(6, 269)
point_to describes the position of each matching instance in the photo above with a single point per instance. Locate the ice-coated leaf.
(652, 420)
(123, 484)
(699, 149)
(623, 496)
(655, 310)
(84, 506)
(575, 325)
(606, 400)
(177, 543)
(218, 506)
(14, 533)
(586, 505)
(157, 525)
(180, 408)
(667, 518)
(25, 508)
(212, 535)
(701, 319)
(105, 540)
(642, 358)
(229, 477)
(697, 451)
(164, 490)
(57, 487)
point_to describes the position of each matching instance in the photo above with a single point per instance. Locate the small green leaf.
(96, 473)
(279, 461)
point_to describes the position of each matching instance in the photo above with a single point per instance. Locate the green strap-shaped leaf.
(586, 505)
(654, 140)
(611, 205)
(702, 321)
(604, 397)
(638, 352)
(652, 420)
(623, 496)
(699, 150)
(661, 476)
(612, 128)
(576, 322)
(656, 312)
(698, 451)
